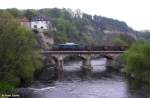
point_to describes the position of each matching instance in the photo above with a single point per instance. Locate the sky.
(136, 13)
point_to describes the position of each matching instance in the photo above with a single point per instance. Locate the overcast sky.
(136, 13)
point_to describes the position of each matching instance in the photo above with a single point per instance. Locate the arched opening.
(72, 68)
(98, 63)
(109, 63)
(73, 62)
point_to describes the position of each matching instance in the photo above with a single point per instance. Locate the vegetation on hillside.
(80, 27)
(18, 54)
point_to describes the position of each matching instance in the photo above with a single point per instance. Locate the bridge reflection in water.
(57, 57)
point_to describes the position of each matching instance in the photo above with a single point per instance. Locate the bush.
(137, 60)
(7, 87)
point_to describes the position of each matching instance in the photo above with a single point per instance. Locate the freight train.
(77, 47)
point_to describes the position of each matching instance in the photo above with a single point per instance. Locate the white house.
(40, 23)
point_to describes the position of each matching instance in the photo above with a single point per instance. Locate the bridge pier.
(60, 69)
(86, 66)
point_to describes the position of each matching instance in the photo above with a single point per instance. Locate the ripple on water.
(88, 89)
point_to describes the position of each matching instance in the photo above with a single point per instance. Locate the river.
(103, 83)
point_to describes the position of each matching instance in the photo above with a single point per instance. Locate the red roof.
(24, 19)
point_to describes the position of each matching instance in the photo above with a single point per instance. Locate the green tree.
(30, 13)
(119, 41)
(15, 12)
(137, 60)
(19, 57)
(123, 39)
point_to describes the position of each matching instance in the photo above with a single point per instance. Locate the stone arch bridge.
(57, 57)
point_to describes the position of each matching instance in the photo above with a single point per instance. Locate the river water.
(103, 83)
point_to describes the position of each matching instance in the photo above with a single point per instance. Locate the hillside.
(144, 35)
(82, 28)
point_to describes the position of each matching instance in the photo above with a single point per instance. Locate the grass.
(6, 87)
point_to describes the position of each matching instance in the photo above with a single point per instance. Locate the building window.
(42, 27)
(35, 26)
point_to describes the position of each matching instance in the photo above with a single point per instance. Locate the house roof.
(40, 18)
(24, 19)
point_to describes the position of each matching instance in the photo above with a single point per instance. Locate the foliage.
(82, 29)
(15, 12)
(19, 58)
(123, 39)
(119, 41)
(137, 60)
(30, 13)
(7, 87)
(87, 29)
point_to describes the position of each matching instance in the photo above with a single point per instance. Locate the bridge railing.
(92, 48)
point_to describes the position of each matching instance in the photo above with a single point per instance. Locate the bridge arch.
(81, 57)
(102, 55)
